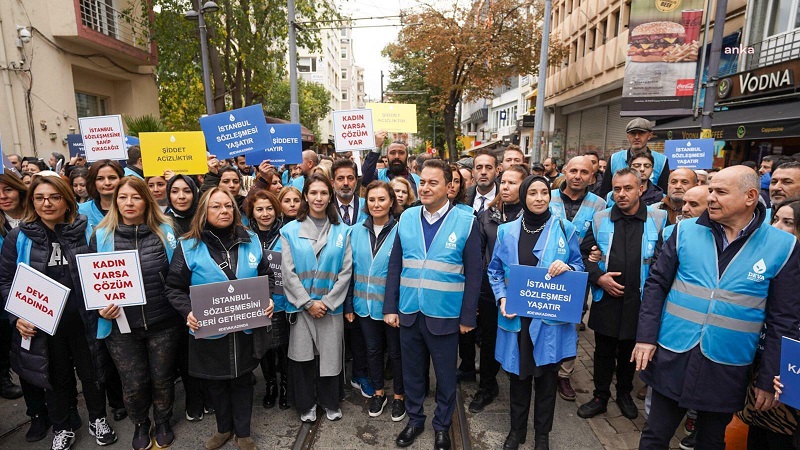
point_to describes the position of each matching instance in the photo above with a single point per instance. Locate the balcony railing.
(100, 16)
(776, 49)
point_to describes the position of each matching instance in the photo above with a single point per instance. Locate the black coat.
(489, 221)
(155, 267)
(33, 365)
(236, 353)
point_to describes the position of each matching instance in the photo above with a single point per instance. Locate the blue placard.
(75, 145)
(131, 140)
(690, 153)
(285, 146)
(790, 372)
(533, 293)
(236, 132)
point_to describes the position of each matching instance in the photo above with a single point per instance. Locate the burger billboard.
(661, 64)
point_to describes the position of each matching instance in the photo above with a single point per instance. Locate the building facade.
(41, 44)
(324, 66)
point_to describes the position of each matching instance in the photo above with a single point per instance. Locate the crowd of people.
(404, 267)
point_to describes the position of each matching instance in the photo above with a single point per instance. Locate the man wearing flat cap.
(639, 131)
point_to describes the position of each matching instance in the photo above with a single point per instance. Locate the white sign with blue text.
(236, 132)
(532, 292)
(690, 153)
(285, 146)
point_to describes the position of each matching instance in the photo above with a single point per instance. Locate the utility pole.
(538, 119)
(294, 105)
(381, 86)
(713, 69)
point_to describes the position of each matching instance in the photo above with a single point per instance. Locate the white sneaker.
(333, 414)
(309, 416)
(102, 432)
(63, 440)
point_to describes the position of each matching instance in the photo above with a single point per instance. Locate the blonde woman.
(403, 191)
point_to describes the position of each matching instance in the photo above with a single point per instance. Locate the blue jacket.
(619, 160)
(552, 341)
(370, 172)
(94, 215)
(591, 205)
(370, 271)
(128, 172)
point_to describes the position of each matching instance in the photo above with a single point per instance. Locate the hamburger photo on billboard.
(660, 42)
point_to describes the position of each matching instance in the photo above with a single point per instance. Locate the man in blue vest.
(719, 278)
(133, 166)
(626, 234)
(573, 202)
(397, 154)
(639, 131)
(310, 160)
(432, 294)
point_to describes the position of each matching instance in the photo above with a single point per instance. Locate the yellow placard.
(394, 117)
(183, 152)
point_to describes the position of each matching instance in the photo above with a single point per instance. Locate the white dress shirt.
(432, 218)
(476, 204)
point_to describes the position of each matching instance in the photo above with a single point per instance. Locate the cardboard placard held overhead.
(690, 153)
(236, 132)
(111, 277)
(37, 298)
(394, 117)
(103, 138)
(182, 152)
(353, 130)
(285, 146)
(75, 146)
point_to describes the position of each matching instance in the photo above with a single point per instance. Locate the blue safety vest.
(93, 216)
(383, 175)
(604, 235)
(553, 341)
(768, 216)
(667, 232)
(317, 274)
(724, 313)
(105, 244)
(298, 182)
(369, 272)
(619, 160)
(432, 280)
(128, 172)
(280, 300)
(591, 205)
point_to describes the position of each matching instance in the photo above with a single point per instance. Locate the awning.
(494, 143)
(307, 135)
(532, 94)
(766, 121)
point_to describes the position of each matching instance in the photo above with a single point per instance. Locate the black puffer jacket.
(155, 267)
(33, 365)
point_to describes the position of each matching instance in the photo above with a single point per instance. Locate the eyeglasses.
(54, 199)
(642, 166)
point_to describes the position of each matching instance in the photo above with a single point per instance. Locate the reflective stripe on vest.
(432, 280)
(591, 205)
(318, 274)
(724, 314)
(604, 235)
(369, 272)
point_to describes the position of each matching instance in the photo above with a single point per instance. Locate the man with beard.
(551, 170)
(485, 170)
(784, 185)
(680, 181)
(245, 169)
(310, 160)
(597, 179)
(397, 152)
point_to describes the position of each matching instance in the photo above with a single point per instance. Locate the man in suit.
(432, 294)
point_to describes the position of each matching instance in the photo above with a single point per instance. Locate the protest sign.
(533, 293)
(236, 132)
(690, 154)
(182, 152)
(790, 372)
(285, 146)
(36, 298)
(394, 117)
(131, 140)
(352, 130)
(274, 259)
(75, 146)
(111, 277)
(103, 138)
(230, 306)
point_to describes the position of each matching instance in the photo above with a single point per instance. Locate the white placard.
(36, 298)
(111, 277)
(352, 130)
(103, 138)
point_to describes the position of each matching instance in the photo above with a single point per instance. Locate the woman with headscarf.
(182, 198)
(530, 350)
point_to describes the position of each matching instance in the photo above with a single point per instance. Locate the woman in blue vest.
(101, 183)
(290, 200)
(219, 248)
(530, 350)
(317, 266)
(48, 238)
(372, 243)
(145, 357)
(263, 210)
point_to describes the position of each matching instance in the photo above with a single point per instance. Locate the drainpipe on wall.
(12, 115)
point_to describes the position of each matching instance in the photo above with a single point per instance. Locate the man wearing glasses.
(638, 131)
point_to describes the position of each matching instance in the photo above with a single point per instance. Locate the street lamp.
(208, 7)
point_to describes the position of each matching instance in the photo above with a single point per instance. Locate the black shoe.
(8, 389)
(119, 414)
(483, 398)
(688, 442)
(40, 423)
(462, 376)
(376, 405)
(408, 435)
(542, 442)
(141, 436)
(271, 395)
(75, 421)
(592, 408)
(164, 435)
(626, 405)
(194, 413)
(398, 410)
(209, 410)
(442, 440)
(513, 440)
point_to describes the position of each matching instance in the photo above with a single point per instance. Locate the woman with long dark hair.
(182, 198)
(77, 179)
(101, 183)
